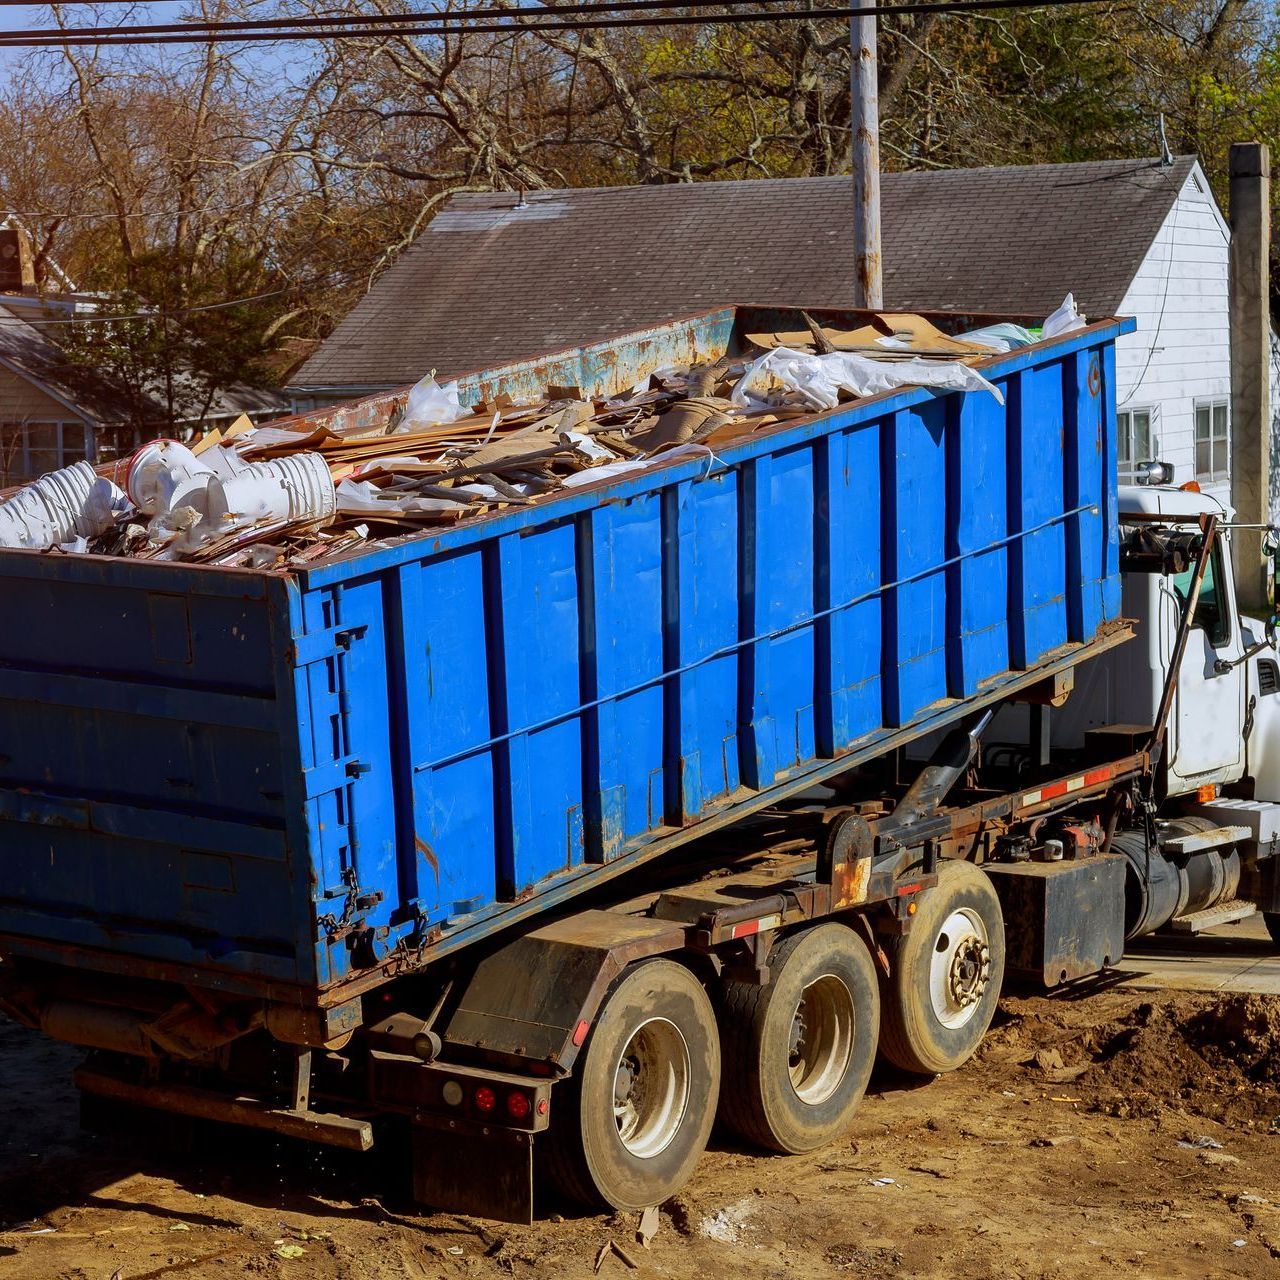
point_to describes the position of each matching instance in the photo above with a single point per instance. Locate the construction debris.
(293, 493)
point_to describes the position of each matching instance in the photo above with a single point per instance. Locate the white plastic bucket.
(52, 510)
(296, 489)
(159, 471)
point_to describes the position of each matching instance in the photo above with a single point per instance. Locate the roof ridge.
(640, 188)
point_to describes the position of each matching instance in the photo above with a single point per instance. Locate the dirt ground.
(1118, 1133)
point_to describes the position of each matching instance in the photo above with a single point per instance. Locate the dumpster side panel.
(530, 701)
(142, 781)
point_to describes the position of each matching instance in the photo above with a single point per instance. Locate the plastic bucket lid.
(138, 459)
(157, 471)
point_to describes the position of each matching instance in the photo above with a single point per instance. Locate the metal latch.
(332, 774)
(329, 643)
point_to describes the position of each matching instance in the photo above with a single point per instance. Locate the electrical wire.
(418, 16)
(269, 205)
(40, 322)
(515, 23)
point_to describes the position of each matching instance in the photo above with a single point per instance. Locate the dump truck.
(548, 838)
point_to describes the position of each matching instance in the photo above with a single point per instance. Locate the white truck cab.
(1217, 779)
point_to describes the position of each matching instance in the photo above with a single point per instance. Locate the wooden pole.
(1250, 213)
(865, 120)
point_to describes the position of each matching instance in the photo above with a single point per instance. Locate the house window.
(1211, 442)
(43, 447)
(1135, 443)
(31, 449)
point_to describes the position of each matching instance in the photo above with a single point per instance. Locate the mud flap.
(480, 1170)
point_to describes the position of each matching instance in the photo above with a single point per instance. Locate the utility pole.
(864, 120)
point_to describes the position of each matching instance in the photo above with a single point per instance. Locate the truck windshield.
(1209, 612)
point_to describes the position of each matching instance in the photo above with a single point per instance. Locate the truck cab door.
(1206, 739)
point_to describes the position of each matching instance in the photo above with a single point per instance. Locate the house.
(497, 277)
(55, 411)
(52, 412)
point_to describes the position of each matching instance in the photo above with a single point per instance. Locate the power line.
(40, 322)
(395, 19)
(268, 205)
(516, 23)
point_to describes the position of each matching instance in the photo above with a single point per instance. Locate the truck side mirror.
(1271, 552)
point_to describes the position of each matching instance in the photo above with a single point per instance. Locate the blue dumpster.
(297, 785)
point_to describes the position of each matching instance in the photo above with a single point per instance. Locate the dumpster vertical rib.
(916, 669)
(451, 639)
(1084, 488)
(540, 579)
(1040, 491)
(504, 803)
(1110, 522)
(709, 591)
(824, 679)
(673, 687)
(977, 595)
(755, 754)
(1016, 610)
(595, 765)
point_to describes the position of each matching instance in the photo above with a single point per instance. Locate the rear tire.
(946, 975)
(799, 1051)
(642, 1100)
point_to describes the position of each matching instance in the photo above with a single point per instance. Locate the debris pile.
(290, 494)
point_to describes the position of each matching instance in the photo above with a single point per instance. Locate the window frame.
(1221, 637)
(73, 431)
(1126, 469)
(1211, 406)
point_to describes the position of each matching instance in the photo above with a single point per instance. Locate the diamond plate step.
(1224, 913)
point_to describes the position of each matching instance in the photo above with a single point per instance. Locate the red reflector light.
(485, 1099)
(543, 1106)
(580, 1033)
(517, 1105)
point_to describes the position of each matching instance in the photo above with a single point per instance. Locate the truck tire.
(1272, 920)
(798, 1052)
(642, 1099)
(946, 974)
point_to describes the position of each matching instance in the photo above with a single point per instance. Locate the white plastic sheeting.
(818, 379)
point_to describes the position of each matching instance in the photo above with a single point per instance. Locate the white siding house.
(496, 277)
(1173, 374)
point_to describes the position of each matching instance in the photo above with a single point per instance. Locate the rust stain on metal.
(429, 855)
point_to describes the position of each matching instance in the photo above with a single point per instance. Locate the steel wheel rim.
(822, 1031)
(959, 968)
(651, 1085)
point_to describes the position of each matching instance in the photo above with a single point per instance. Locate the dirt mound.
(1215, 1057)
(1212, 1056)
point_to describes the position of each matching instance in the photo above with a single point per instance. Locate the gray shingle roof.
(26, 349)
(490, 281)
(32, 351)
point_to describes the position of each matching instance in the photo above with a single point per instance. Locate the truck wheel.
(798, 1052)
(946, 974)
(643, 1097)
(1272, 920)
